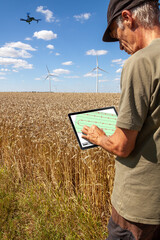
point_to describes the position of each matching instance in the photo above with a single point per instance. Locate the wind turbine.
(97, 68)
(49, 76)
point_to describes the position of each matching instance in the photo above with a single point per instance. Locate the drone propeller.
(28, 14)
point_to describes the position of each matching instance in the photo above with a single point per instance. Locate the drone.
(30, 19)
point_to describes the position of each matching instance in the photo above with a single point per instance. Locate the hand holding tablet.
(93, 134)
(93, 123)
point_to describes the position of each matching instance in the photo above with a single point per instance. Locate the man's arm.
(121, 143)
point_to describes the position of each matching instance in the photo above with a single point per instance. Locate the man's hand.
(121, 143)
(93, 134)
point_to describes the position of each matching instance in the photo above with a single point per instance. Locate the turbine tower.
(97, 68)
(49, 76)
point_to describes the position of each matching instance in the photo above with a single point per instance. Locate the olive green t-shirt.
(136, 193)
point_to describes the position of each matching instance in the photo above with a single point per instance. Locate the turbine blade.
(51, 74)
(47, 69)
(92, 70)
(102, 70)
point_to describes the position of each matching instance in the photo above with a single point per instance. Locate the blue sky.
(67, 39)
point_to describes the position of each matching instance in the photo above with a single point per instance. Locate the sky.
(66, 40)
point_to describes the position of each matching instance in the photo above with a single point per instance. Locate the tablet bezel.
(87, 111)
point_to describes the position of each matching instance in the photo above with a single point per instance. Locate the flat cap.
(114, 10)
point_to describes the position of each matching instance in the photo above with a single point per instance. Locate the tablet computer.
(104, 118)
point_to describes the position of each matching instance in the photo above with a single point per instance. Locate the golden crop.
(37, 143)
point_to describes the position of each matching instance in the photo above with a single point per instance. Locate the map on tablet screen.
(104, 118)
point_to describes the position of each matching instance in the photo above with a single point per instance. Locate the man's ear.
(127, 18)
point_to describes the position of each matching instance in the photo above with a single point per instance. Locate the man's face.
(126, 37)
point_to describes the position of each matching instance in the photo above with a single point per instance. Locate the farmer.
(136, 140)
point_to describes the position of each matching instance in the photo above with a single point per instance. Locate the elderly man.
(136, 141)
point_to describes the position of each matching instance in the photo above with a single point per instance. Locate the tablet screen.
(104, 118)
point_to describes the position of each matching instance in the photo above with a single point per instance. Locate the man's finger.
(84, 136)
(85, 129)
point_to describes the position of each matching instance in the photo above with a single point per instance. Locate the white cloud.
(17, 63)
(16, 50)
(57, 54)
(50, 46)
(5, 70)
(45, 35)
(103, 80)
(94, 52)
(119, 70)
(71, 77)
(117, 79)
(20, 45)
(67, 63)
(37, 79)
(12, 52)
(82, 17)
(56, 79)
(60, 71)
(28, 39)
(2, 78)
(2, 73)
(91, 74)
(48, 13)
(119, 61)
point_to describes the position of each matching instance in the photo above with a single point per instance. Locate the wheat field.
(38, 149)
